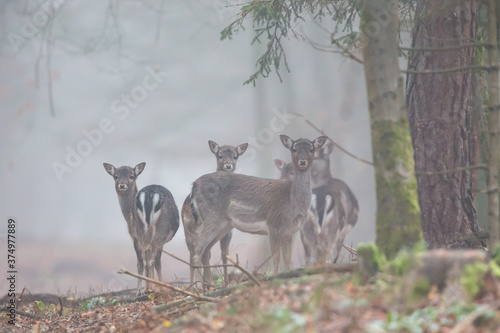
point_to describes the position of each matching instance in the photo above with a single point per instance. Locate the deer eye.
(220, 157)
(235, 156)
(311, 150)
(116, 177)
(294, 150)
(131, 177)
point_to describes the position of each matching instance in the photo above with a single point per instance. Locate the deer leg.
(200, 258)
(340, 241)
(323, 248)
(140, 264)
(197, 268)
(210, 233)
(275, 243)
(224, 248)
(286, 249)
(158, 263)
(307, 247)
(207, 271)
(146, 259)
(191, 268)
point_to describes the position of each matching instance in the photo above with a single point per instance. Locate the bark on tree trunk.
(494, 126)
(398, 216)
(440, 113)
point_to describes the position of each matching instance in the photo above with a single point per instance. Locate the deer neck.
(301, 191)
(127, 205)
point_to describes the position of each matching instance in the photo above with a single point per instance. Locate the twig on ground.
(332, 268)
(189, 300)
(22, 313)
(169, 286)
(471, 317)
(339, 268)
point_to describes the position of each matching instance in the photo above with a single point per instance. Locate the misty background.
(73, 77)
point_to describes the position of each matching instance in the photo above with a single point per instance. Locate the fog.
(141, 81)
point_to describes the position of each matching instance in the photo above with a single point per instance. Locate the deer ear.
(109, 168)
(279, 163)
(214, 147)
(139, 168)
(242, 148)
(287, 142)
(319, 142)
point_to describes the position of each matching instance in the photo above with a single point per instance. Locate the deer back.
(242, 199)
(158, 213)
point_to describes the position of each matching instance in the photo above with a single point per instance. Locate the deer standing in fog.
(151, 214)
(226, 157)
(221, 201)
(310, 230)
(336, 206)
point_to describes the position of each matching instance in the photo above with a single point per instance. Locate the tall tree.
(440, 104)
(494, 124)
(398, 215)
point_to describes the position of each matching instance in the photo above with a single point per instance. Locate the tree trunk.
(398, 216)
(440, 114)
(494, 126)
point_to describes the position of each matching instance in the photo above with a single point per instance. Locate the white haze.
(70, 233)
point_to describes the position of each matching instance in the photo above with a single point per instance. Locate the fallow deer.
(151, 214)
(221, 201)
(226, 158)
(310, 230)
(335, 210)
(335, 202)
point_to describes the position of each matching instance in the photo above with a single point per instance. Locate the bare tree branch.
(333, 141)
(49, 69)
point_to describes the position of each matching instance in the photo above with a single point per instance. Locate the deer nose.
(228, 166)
(122, 186)
(303, 163)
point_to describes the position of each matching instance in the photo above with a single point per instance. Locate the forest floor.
(324, 299)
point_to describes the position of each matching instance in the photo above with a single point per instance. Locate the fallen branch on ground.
(190, 300)
(169, 286)
(471, 317)
(22, 313)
